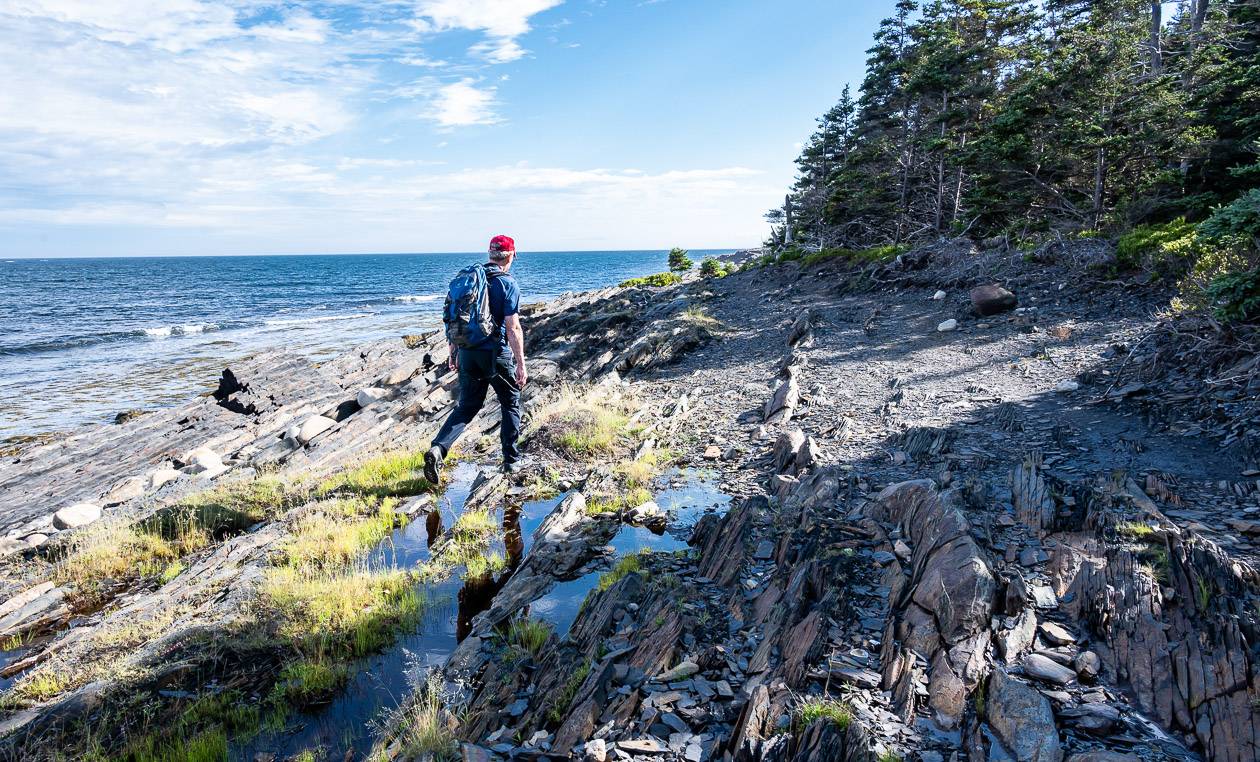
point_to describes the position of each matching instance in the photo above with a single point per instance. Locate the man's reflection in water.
(477, 592)
(433, 524)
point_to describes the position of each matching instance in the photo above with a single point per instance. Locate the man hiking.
(483, 334)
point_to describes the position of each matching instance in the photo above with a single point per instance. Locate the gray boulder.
(370, 395)
(992, 299)
(313, 427)
(1022, 720)
(1047, 669)
(77, 515)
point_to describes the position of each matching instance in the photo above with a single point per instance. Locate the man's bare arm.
(516, 340)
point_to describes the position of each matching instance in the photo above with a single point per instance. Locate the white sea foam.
(322, 319)
(185, 329)
(417, 298)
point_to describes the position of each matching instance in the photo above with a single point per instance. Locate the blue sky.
(143, 127)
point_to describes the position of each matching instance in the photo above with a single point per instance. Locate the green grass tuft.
(340, 614)
(336, 532)
(813, 709)
(879, 254)
(606, 504)
(628, 564)
(423, 734)
(564, 699)
(529, 635)
(484, 565)
(308, 682)
(1135, 530)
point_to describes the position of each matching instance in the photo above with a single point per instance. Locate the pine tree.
(1020, 117)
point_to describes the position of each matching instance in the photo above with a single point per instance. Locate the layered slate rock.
(943, 609)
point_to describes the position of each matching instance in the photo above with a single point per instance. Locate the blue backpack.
(467, 310)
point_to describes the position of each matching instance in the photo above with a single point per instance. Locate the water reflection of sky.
(381, 682)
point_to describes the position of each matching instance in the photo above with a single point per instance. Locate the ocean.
(82, 340)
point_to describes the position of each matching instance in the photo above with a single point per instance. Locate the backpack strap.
(493, 271)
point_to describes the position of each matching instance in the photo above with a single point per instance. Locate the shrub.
(679, 261)
(1239, 219)
(659, 280)
(712, 268)
(790, 255)
(1236, 296)
(1168, 247)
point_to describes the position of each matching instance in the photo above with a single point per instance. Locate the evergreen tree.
(1019, 117)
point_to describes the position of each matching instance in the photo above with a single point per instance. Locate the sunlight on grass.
(335, 533)
(235, 505)
(484, 565)
(642, 470)
(700, 316)
(628, 564)
(346, 613)
(398, 474)
(113, 551)
(45, 683)
(608, 504)
(829, 709)
(582, 426)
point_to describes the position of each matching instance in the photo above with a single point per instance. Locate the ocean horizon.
(85, 338)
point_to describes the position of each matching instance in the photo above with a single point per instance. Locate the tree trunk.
(1198, 14)
(1100, 176)
(787, 221)
(1157, 58)
(940, 169)
(959, 186)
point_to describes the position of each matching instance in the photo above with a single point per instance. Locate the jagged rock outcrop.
(943, 608)
(1181, 634)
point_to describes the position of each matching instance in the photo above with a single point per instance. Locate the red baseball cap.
(502, 244)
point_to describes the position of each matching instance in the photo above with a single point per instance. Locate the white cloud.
(503, 21)
(498, 18)
(247, 118)
(498, 51)
(462, 103)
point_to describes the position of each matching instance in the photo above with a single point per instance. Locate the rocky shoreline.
(951, 534)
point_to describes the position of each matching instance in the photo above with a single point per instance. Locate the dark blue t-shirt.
(505, 300)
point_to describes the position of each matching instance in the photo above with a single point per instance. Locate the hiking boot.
(512, 469)
(433, 465)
